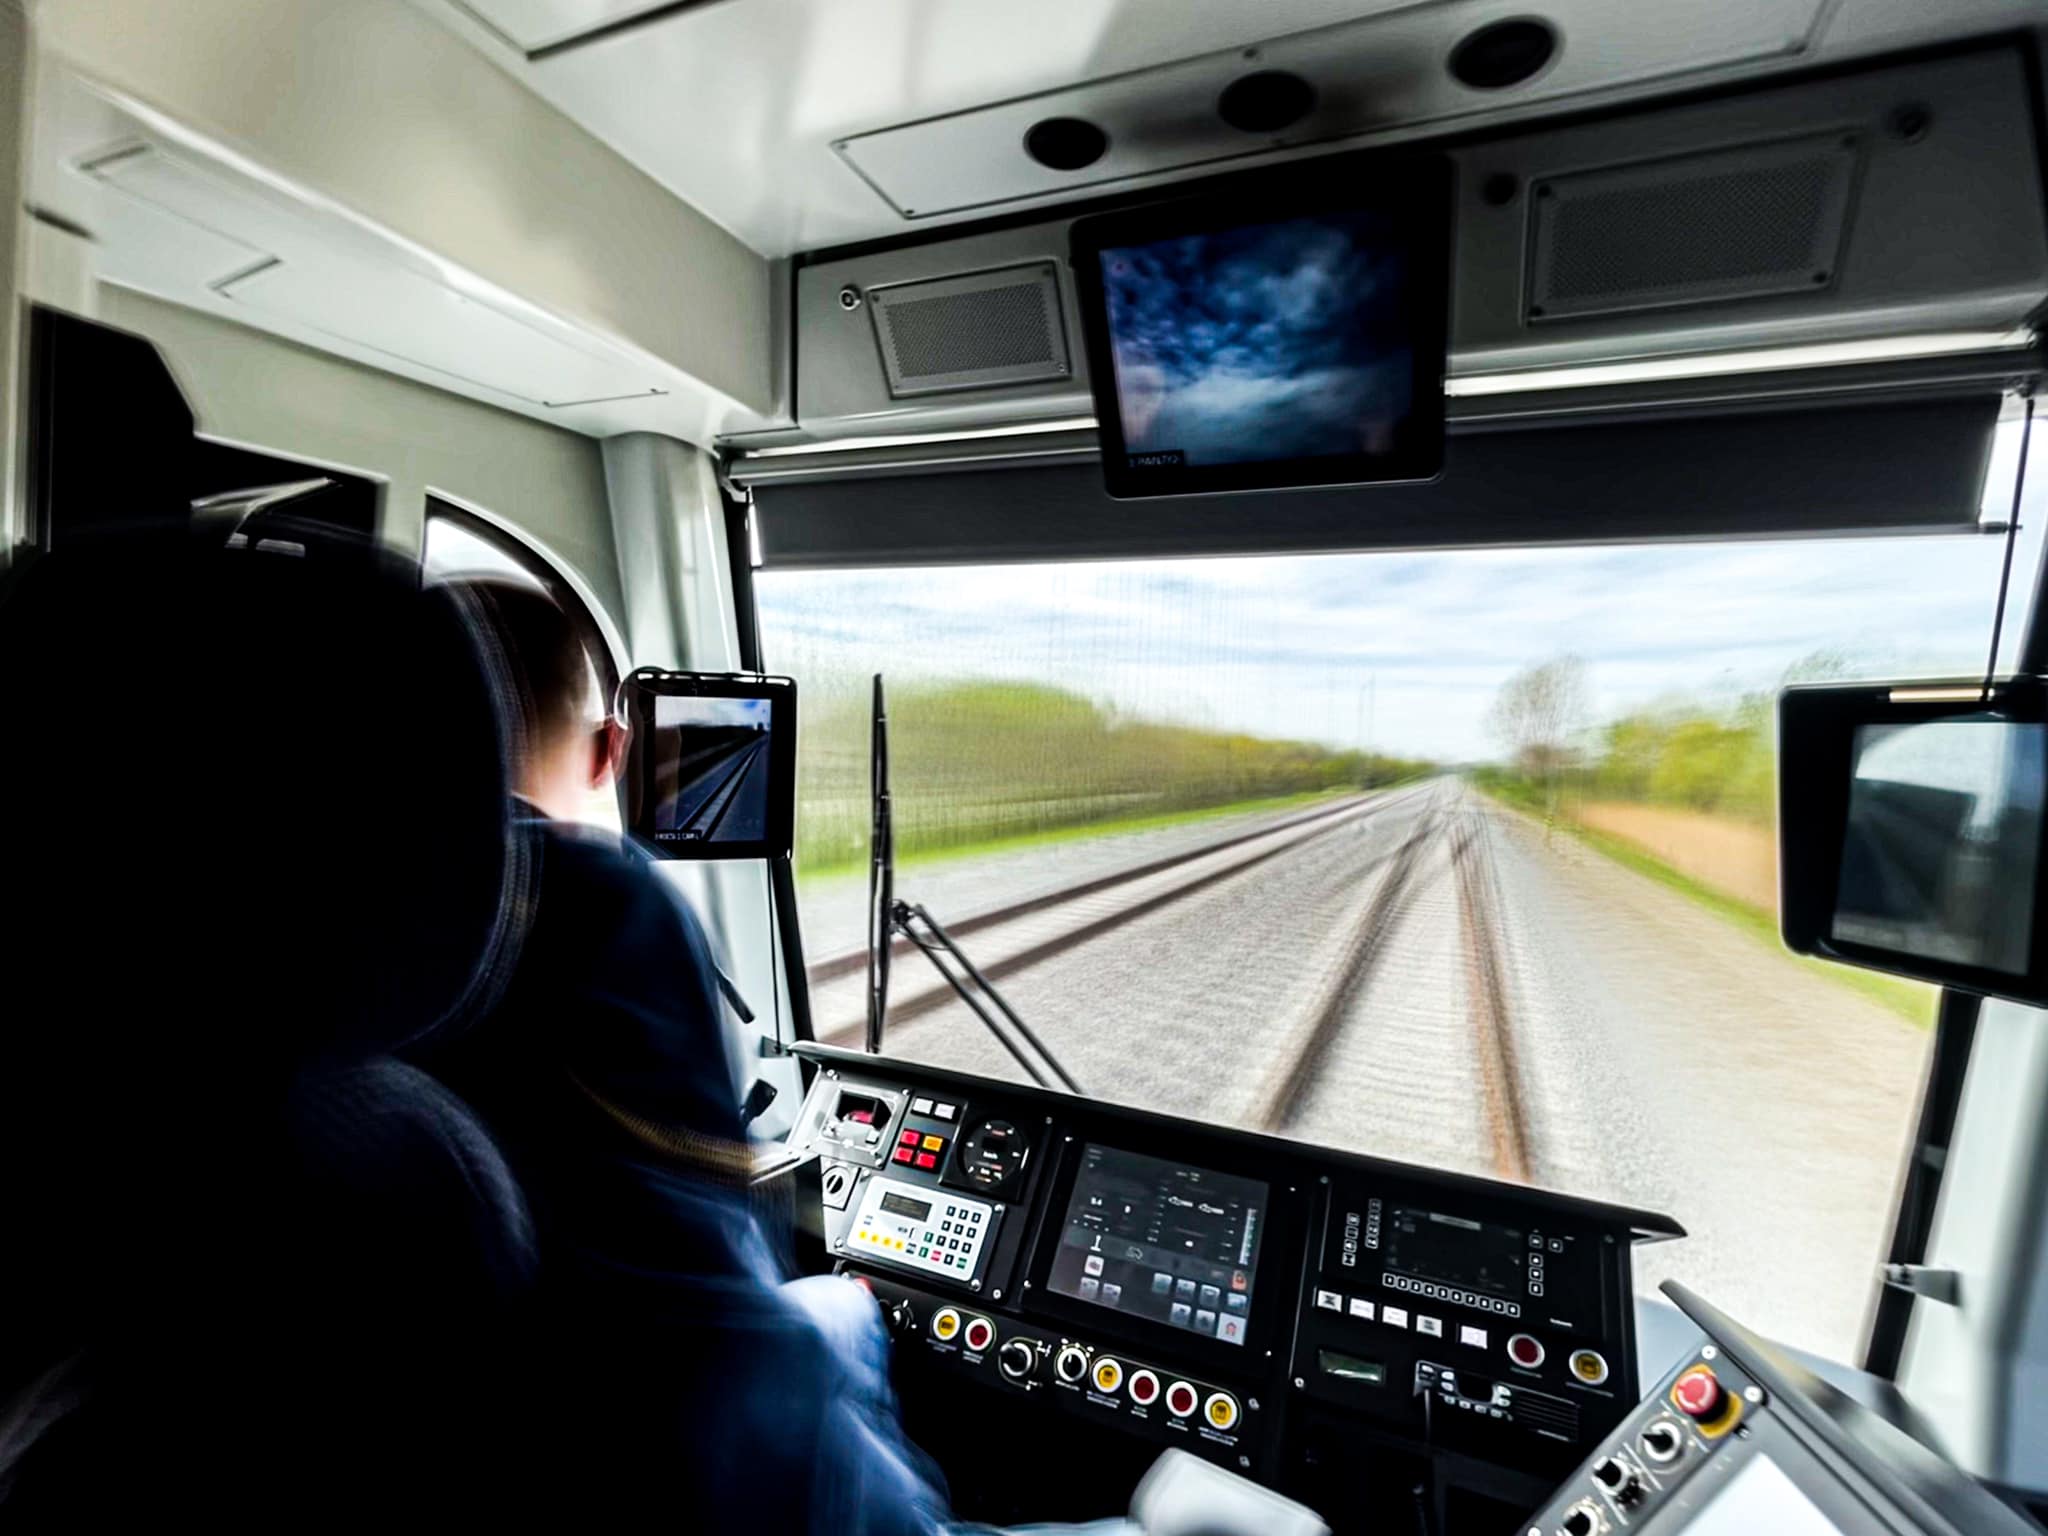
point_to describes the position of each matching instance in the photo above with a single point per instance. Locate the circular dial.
(992, 1155)
(1661, 1441)
(1071, 1363)
(1018, 1359)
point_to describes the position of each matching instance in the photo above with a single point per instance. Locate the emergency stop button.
(1698, 1393)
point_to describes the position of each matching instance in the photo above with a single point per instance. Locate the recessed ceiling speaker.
(1266, 102)
(1504, 53)
(1065, 143)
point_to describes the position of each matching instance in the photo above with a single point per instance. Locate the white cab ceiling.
(800, 124)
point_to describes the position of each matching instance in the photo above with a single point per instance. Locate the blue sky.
(1406, 651)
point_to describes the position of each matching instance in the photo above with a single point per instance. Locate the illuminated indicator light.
(933, 1143)
(946, 1323)
(1109, 1375)
(1221, 1410)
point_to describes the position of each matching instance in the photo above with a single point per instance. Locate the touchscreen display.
(1944, 835)
(1162, 1241)
(1456, 1251)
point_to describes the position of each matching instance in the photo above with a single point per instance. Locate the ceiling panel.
(737, 106)
(535, 26)
(1379, 73)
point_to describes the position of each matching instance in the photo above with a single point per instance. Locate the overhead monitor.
(1294, 336)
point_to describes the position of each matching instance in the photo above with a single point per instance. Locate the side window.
(460, 546)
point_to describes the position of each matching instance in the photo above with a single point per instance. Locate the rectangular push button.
(903, 1155)
(934, 1143)
(926, 1160)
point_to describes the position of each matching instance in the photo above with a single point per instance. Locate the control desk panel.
(1233, 1294)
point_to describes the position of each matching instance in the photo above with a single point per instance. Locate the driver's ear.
(608, 753)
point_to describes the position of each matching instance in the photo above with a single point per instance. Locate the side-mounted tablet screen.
(1910, 831)
(711, 764)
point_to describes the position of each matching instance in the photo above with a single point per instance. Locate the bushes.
(973, 761)
(1721, 763)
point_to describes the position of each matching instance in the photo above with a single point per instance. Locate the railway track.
(1091, 908)
(1412, 994)
(849, 961)
(1342, 1007)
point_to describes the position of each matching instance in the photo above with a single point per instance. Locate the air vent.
(975, 332)
(1732, 224)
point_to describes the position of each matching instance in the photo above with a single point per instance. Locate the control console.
(1485, 1319)
(1739, 1439)
(1242, 1297)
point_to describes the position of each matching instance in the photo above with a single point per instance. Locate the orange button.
(934, 1143)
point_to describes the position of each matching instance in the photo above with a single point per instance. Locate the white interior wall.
(370, 108)
(254, 389)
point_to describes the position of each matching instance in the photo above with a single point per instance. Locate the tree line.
(973, 761)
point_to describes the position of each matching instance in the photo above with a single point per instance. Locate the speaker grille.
(975, 332)
(1733, 224)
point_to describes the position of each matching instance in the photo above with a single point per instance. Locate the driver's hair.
(554, 676)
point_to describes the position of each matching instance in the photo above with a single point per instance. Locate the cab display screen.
(1164, 1241)
(1296, 339)
(711, 764)
(903, 1205)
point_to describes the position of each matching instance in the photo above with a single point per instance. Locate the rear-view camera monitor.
(710, 764)
(1910, 830)
(1276, 341)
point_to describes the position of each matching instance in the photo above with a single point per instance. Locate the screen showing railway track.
(1163, 1241)
(710, 764)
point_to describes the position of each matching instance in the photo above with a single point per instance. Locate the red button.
(926, 1159)
(1180, 1397)
(1525, 1351)
(903, 1154)
(977, 1335)
(908, 1139)
(1698, 1393)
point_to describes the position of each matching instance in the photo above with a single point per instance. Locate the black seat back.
(256, 838)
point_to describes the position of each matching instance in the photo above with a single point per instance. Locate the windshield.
(1461, 858)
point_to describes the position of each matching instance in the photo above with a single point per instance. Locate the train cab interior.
(1352, 695)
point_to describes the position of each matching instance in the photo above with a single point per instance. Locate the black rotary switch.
(992, 1155)
(1019, 1360)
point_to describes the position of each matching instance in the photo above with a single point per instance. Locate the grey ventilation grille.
(975, 332)
(1730, 224)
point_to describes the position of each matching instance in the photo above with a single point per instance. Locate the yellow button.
(946, 1323)
(1109, 1375)
(1221, 1409)
(933, 1143)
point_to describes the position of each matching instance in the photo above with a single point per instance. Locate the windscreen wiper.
(888, 917)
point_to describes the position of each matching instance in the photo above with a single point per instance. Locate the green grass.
(1078, 832)
(1911, 1000)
